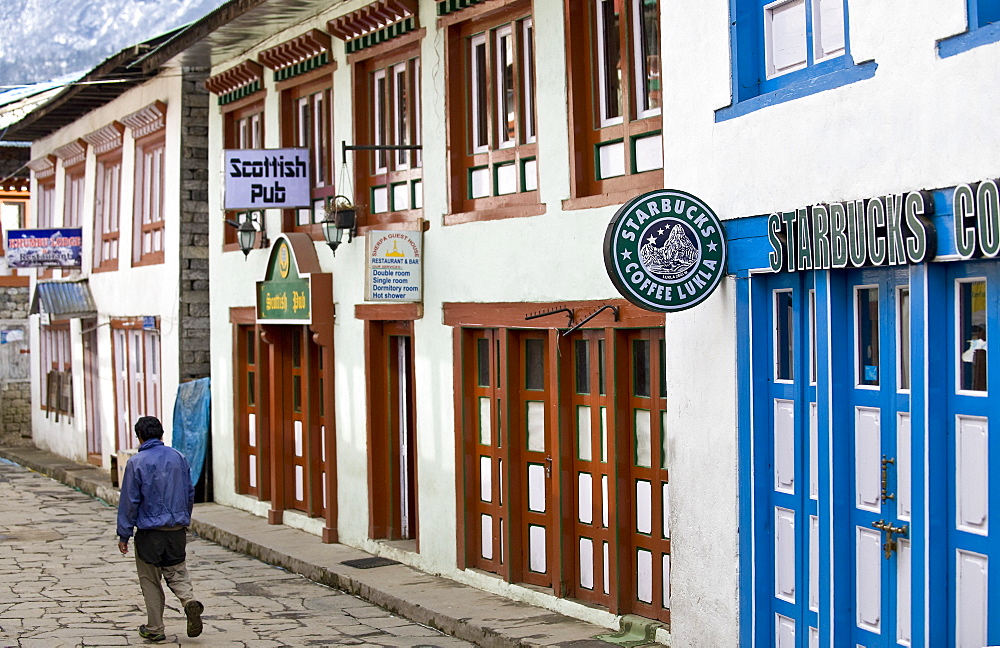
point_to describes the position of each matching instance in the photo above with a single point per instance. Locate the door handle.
(548, 467)
(886, 496)
(890, 530)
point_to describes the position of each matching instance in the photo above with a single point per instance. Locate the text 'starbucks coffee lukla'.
(665, 250)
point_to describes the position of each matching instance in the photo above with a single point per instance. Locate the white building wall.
(922, 122)
(556, 256)
(127, 292)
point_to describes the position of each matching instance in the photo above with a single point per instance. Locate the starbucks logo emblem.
(665, 250)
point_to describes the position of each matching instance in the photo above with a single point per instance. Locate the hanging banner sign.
(267, 178)
(665, 250)
(283, 296)
(45, 248)
(893, 230)
(393, 266)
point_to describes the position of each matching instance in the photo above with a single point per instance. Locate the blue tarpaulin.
(191, 418)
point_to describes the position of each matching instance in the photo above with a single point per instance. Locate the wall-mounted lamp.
(341, 216)
(246, 232)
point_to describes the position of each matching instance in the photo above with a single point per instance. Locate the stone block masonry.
(194, 336)
(15, 414)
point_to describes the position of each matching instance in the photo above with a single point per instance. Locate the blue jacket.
(156, 490)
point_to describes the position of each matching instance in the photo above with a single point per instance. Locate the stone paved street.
(63, 583)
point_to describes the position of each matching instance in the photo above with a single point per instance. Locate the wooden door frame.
(91, 392)
(504, 317)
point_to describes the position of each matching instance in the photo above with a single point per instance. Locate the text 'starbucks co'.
(394, 260)
(665, 250)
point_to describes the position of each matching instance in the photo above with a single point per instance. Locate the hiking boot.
(151, 636)
(193, 610)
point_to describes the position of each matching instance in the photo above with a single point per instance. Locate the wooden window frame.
(75, 189)
(18, 201)
(293, 91)
(45, 213)
(104, 233)
(236, 116)
(589, 126)
(145, 352)
(469, 156)
(150, 190)
(401, 167)
(56, 365)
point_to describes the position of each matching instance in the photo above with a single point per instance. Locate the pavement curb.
(449, 606)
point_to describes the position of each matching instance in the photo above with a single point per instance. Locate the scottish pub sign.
(665, 250)
(283, 296)
(883, 231)
(266, 178)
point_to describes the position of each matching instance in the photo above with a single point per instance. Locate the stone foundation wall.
(15, 414)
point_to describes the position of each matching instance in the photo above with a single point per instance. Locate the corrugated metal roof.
(63, 299)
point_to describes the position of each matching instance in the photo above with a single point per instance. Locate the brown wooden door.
(584, 384)
(392, 476)
(641, 419)
(295, 404)
(531, 443)
(92, 393)
(484, 452)
(250, 425)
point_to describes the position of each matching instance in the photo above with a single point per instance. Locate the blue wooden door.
(873, 367)
(785, 475)
(972, 451)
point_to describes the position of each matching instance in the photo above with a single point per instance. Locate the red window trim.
(586, 191)
(366, 62)
(460, 27)
(151, 140)
(107, 265)
(290, 90)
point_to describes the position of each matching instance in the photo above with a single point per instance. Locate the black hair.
(148, 427)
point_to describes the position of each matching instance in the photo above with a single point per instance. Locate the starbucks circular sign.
(665, 250)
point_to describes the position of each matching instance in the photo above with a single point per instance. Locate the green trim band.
(239, 93)
(388, 32)
(307, 65)
(450, 6)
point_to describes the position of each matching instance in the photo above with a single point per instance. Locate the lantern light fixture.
(341, 217)
(246, 231)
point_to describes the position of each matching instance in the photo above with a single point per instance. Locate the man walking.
(156, 499)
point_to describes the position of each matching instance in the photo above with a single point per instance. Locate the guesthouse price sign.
(665, 250)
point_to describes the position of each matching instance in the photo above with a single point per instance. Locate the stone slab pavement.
(263, 600)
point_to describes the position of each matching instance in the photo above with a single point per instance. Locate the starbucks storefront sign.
(665, 250)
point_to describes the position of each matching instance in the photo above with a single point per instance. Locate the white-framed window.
(107, 205)
(250, 132)
(46, 201)
(73, 200)
(56, 370)
(510, 116)
(784, 335)
(800, 33)
(903, 366)
(312, 128)
(480, 122)
(244, 129)
(148, 225)
(867, 337)
(395, 183)
(137, 378)
(971, 330)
